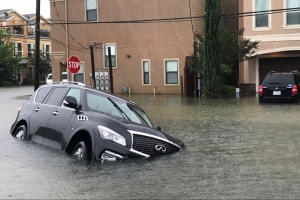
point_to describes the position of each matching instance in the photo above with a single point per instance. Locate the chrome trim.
(35, 95)
(153, 136)
(160, 148)
(113, 154)
(137, 152)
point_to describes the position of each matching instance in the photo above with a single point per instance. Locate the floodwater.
(235, 148)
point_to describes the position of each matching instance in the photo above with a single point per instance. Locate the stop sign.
(74, 64)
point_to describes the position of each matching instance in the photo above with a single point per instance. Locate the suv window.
(42, 93)
(73, 92)
(56, 96)
(279, 79)
(297, 78)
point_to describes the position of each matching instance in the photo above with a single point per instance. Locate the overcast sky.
(26, 6)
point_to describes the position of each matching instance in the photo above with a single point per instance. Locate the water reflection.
(235, 148)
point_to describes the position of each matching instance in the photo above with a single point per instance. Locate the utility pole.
(110, 72)
(93, 65)
(37, 45)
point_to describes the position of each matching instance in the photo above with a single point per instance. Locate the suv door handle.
(37, 109)
(55, 113)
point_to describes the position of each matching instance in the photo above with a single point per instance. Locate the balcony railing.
(43, 33)
(18, 32)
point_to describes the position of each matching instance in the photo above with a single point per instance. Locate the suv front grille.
(146, 145)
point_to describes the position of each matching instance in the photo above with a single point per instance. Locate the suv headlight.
(111, 135)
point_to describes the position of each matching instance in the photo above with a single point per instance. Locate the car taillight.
(295, 90)
(19, 109)
(260, 90)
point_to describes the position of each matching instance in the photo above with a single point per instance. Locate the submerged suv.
(90, 124)
(280, 87)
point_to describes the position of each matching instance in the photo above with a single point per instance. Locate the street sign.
(74, 64)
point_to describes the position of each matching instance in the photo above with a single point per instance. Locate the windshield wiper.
(140, 116)
(119, 109)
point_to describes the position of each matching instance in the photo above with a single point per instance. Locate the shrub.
(228, 91)
(27, 81)
(6, 83)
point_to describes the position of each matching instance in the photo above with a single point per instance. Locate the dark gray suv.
(90, 124)
(280, 87)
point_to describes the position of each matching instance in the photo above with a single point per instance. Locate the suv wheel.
(21, 132)
(80, 151)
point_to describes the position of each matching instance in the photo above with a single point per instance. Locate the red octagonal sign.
(74, 64)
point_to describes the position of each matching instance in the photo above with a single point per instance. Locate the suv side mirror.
(70, 102)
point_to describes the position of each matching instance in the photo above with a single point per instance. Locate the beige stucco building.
(149, 39)
(22, 28)
(279, 36)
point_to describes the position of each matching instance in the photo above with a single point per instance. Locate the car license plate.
(276, 92)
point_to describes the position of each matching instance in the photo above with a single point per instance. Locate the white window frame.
(143, 72)
(165, 72)
(45, 48)
(267, 28)
(105, 53)
(16, 48)
(285, 25)
(32, 48)
(85, 6)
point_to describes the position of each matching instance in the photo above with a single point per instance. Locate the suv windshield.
(279, 79)
(100, 103)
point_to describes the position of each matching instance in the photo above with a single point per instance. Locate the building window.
(79, 77)
(113, 55)
(18, 48)
(261, 18)
(46, 50)
(171, 69)
(30, 50)
(91, 10)
(146, 72)
(292, 17)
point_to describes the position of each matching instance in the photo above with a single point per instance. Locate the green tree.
(211, 50)
(9, 62)
(235, 49)
(45, 64)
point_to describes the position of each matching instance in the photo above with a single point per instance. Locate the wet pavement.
(235, 148)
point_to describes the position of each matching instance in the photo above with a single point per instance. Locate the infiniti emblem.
(160, 148)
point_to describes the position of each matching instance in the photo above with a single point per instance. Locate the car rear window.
(56, 96)
(64, 76)
(42, 93)
(278, 79)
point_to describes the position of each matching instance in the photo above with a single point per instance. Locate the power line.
(70, 46)
(181, 19)
(65, 27)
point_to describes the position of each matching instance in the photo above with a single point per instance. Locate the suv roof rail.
(271, 72)
(68, 82)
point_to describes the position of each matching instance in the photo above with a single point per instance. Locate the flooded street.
(235, 148)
